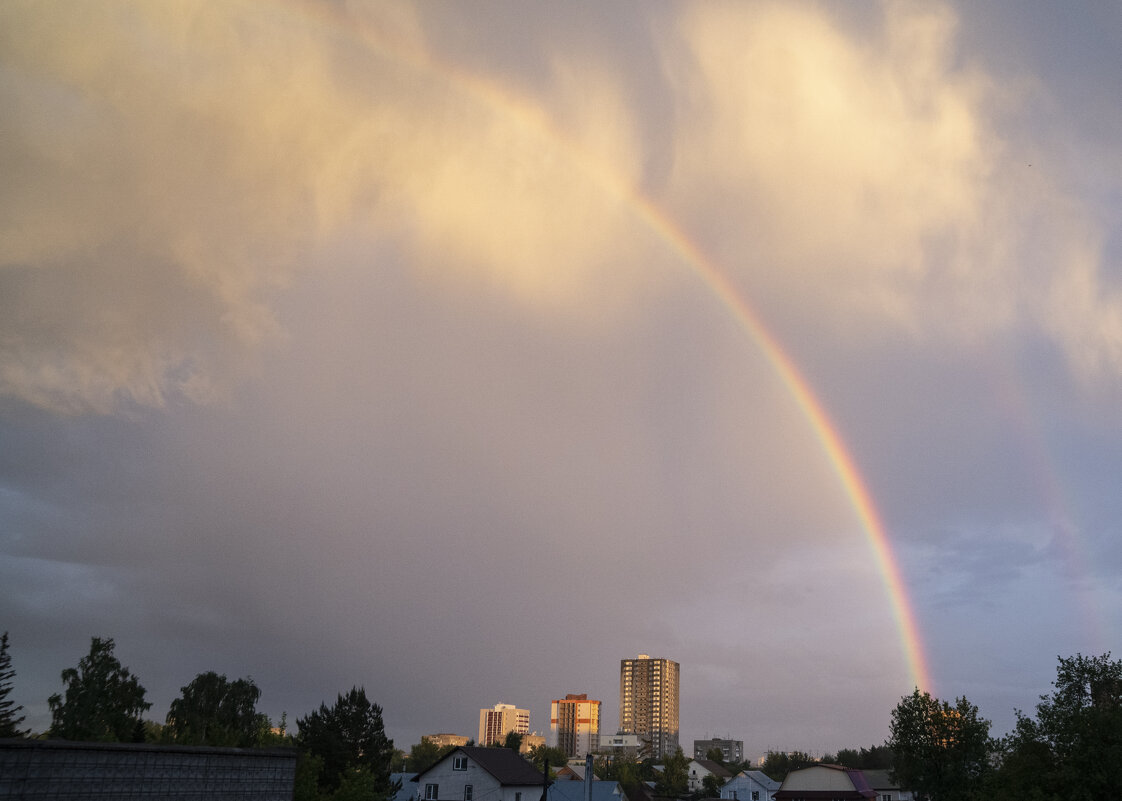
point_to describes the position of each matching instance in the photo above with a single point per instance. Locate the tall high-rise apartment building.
(574, 724)
(496, 723)
(648, 702)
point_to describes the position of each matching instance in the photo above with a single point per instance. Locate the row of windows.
(432, 792)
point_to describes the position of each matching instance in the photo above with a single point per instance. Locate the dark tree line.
(1071, 748)
(345, 754)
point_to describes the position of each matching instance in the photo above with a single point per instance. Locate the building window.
(755, 795)
(467, 792)
(518, 797)
(459, 763)
(432, 792)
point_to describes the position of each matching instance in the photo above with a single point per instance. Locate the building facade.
(444, 739)
(621, 745)
(500, 720)
(731, 750)
(648, 702)
(574, 724)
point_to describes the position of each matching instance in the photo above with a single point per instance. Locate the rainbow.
(827, 433)
(532, 118)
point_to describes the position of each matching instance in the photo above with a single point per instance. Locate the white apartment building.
(574, 724)
(497, 722)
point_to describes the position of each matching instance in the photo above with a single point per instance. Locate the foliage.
(942, 751)
(103, 700)
(425, 754)
(674, 780)
(711, 786)
(777, 764)
(716, 755)
(153, 731)
(9, 723)
(875, 757)
(358, 784)
(271, 736)
(541, 754)
(513, 741)
(349, 736)
(1073, 748)
(308, 770)
(214, 711)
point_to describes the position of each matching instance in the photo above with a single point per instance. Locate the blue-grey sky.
(348, 343)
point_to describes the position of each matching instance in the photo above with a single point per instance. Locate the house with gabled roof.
(886, 789)
(825, 783)
(471, 773)
(575, 791)
(698, 769)
(750, 785)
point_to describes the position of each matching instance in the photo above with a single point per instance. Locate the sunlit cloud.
(168, 170)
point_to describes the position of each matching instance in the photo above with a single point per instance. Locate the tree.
(875, 757)
(942, 751)
(513, 741)
(711, 786)
(9, 723)
(1073, 748)
(542, 754)
(269, 735)
(103, 702)
(214, 711)
(426, 753)
(674, 780)
(349, 737)
(777, 764)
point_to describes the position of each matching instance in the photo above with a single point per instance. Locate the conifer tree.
(9, 722)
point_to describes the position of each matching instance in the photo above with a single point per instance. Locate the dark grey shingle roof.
(505, 765)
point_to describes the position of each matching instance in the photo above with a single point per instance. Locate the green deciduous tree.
(711, 786)
(942, 751)
(9, 711)
(777, 764)
(1073, 748)
(513, 741)
(875, 757)
(674, 780)
(425, 754)
(214, 711)
(103, 701)
(541, 754)
(349, 737)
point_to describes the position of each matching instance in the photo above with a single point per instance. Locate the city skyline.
(781, 338)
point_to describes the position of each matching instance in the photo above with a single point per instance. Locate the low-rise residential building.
(885, 788)
(832, 782)
(750, 785)
(698, 769)
(574, 791)
(471, 773)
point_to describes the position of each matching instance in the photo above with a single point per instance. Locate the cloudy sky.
(439, 349)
